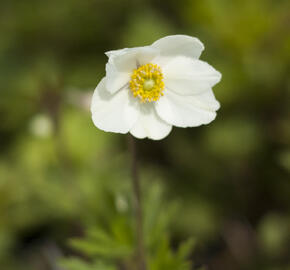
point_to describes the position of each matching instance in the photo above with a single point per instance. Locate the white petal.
(149, 124)
(129, 59)
(122, 63)
(113, 112)
(185, 111)
(179, 45)
(116, 79)
(187, 76)
(207, 100)
(115, 52)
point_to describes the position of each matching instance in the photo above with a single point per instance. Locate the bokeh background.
(65, 194)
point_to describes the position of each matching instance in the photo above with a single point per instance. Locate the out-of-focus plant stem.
(140, 248)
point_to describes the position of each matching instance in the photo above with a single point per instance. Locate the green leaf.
(77, 264)
(165, 258)
(108, 245)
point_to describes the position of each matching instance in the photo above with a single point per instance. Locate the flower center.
(147, 83)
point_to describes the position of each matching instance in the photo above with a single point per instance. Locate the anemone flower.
(149, 89)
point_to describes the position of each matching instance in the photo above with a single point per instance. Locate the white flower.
(147, 90)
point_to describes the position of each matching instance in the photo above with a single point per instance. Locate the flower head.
(147, 90)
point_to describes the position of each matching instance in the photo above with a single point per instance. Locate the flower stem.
(140, 249)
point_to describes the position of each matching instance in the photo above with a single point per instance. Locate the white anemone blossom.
(149, 89)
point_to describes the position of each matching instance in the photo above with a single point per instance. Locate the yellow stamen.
(147, 83)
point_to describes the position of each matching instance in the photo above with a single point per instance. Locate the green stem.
(140, 249)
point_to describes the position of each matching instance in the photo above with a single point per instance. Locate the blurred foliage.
(225, 185)
(113, 239)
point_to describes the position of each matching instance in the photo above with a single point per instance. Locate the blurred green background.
(225, 186)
